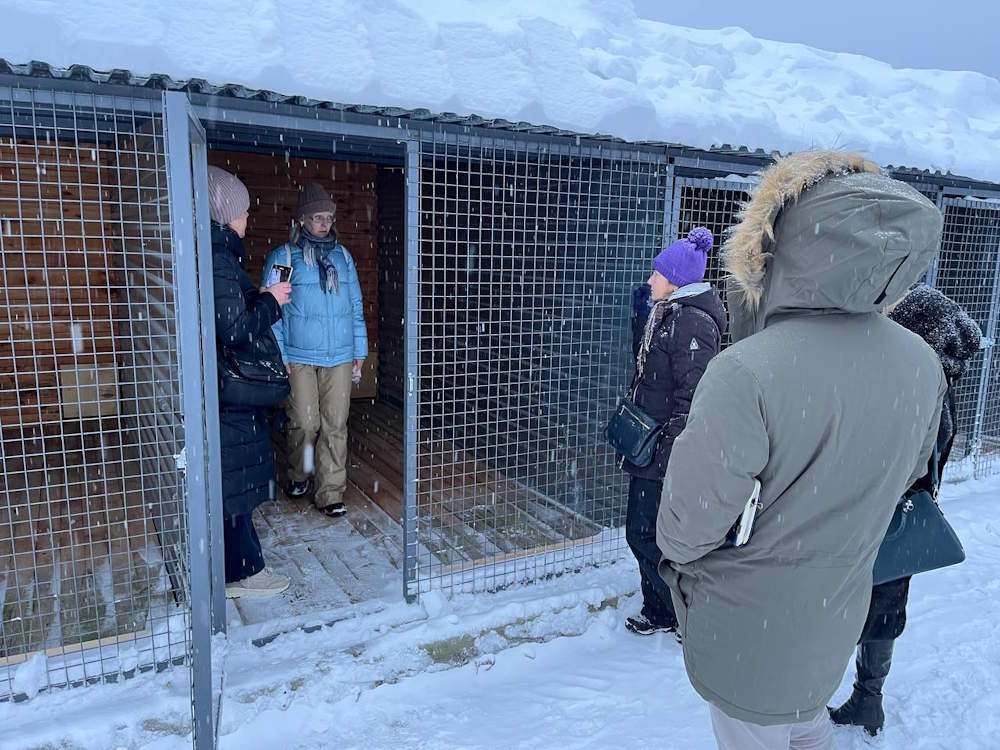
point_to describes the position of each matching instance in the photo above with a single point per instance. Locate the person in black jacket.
(955, 338)
(676, 329)
(244, 315)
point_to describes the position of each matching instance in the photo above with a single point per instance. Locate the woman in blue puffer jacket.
(324, 344)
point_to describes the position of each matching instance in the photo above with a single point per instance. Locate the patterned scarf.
(656, 313)
(316, 253)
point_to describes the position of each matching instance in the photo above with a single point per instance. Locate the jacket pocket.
(305, 334)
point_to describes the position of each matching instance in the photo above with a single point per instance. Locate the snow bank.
(589, 66)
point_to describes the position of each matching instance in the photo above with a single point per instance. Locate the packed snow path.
(538, 667)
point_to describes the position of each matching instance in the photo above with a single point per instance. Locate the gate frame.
(211, 109)
(115, 98)
(191, 248)
(988, 341)
(518, 142)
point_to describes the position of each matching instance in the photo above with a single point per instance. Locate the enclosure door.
(518, 345)
(103, 511)
(192, 252)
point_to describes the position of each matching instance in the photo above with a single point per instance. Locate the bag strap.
(288, 254)
(644, 346)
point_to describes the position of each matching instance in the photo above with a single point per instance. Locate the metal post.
(206, 290)
(411, 367)
(181, 196)
(671, 209)
(988, 342)
(933, 269)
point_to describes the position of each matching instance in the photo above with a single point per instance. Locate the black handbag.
(632, 432)
(254, 375)
(919, 537)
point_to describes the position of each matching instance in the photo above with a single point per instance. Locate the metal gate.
(518, 345)
(968, 271)
(95, 539)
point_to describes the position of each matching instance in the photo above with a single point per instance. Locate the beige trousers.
(733, 734)
(318, 408)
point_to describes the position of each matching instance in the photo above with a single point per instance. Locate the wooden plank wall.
(62, 289)
(273, 182)
(392, 282)
(77, 560)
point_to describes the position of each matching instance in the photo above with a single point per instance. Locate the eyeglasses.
(321, 218)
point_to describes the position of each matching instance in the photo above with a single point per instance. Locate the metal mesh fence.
(527, 255)
(712, 203)
(967, 271)
(92, 524)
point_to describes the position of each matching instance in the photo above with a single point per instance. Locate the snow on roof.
(574, 65)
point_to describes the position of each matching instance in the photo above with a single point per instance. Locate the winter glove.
(640, 300)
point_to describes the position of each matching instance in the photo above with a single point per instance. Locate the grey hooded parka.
(831, 405)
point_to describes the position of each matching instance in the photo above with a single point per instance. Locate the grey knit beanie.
(227, 196)
(313, 198)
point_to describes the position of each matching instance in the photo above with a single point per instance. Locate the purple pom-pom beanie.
(684, 261)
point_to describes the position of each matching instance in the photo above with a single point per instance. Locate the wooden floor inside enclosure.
(468, 515)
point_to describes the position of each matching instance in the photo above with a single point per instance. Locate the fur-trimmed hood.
(826, 232)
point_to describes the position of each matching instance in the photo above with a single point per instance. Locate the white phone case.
(744, 526)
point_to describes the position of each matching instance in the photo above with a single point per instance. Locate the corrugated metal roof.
(162, 82)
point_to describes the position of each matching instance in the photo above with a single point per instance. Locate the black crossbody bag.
(632, 432)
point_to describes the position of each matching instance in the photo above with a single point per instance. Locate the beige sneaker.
(264, 583)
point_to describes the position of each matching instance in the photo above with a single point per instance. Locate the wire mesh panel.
(967, 271)
(92, 521)
(988, 460)
(527, 255)
(712, 203)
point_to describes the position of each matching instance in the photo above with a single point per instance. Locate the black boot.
(642, 625)
(861, 710)
(864, 707)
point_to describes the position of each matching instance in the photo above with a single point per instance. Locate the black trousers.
(885, 623)
(873, 663)
(244, 557)
(640, 533)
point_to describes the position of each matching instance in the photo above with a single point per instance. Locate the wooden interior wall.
(77, 561)
(273, 182)
(392, 282)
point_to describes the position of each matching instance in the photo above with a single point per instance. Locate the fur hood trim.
(745, 251)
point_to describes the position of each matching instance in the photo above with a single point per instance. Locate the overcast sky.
(945, 34)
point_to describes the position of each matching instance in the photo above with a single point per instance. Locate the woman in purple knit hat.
(677, 328)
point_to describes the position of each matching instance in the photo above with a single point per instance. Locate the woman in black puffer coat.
(243, 319)
(955, 337)
(677, 328)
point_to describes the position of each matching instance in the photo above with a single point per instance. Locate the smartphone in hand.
(278, 273)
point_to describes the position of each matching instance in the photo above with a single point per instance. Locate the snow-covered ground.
(539, 666)
(586, 66)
